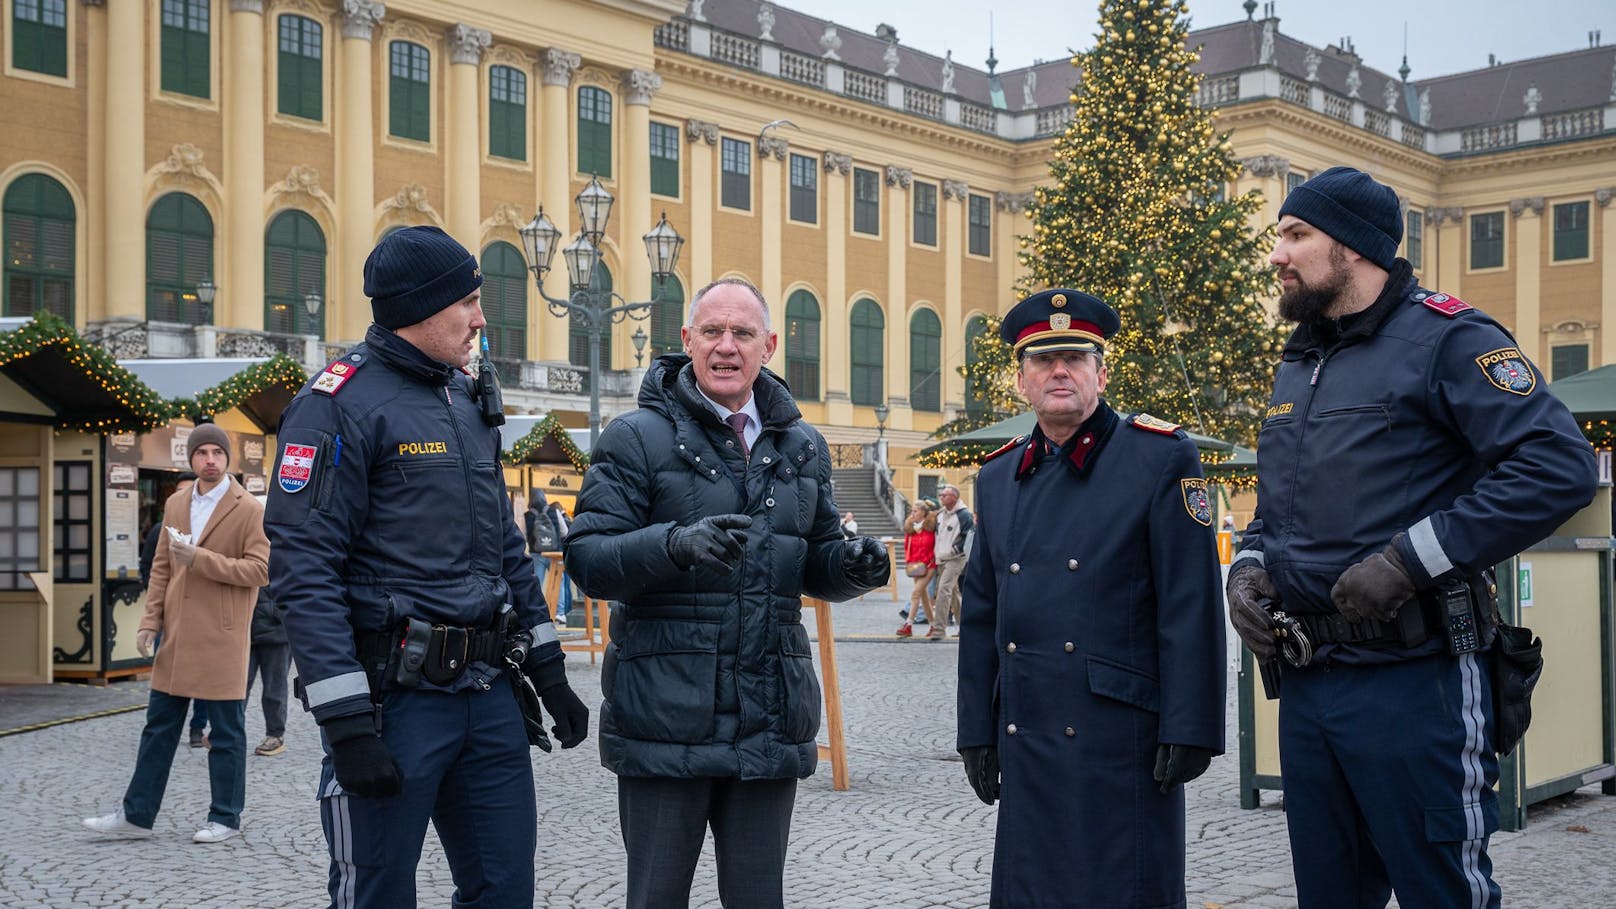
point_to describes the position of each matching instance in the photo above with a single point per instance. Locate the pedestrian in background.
(920, 563)
(954, 525)
(270, 656)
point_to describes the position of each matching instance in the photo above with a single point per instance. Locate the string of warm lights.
(547, 428)
(1600, 434)
(141, 409)
(232, 392)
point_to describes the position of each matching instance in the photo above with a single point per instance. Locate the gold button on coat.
(1010, 647)
(1070, 731)
(1071, 564)
(1070, 647)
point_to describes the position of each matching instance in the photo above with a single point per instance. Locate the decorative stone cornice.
(410, 197)
(899, 176)
(559, 65)
(773, 147)
(466, 43)
(1438, 216)
(505, 215)
(1267, 166)
(1604, 194)
(639, 85)
(839, 163)
(1519, 207)
(1014, 203)
(184, 160)
(701, 131)
(247, 6)
(955, 189)
(360, 18)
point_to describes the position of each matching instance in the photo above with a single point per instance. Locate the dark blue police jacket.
(388, 502)
(1419, 416)
(1091, 630)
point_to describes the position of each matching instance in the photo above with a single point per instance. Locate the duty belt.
(440, 653)
(1416, 622)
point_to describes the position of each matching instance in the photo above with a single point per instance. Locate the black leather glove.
(1250, 584)
(570, 715)
(866, 562)
(1373, 588)
(982, 770)
(715, 543)
(360, 759)
(1178, 764)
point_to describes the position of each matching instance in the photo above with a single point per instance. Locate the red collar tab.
(1082, 447)
(1445, 304)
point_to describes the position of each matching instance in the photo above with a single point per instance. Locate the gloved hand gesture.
(143, 641)
(1373, 588)
(982, 771)
(1178, 764)
(569, 713)
(1250, 584)
(866, 562)
(716, 543)
(360, 759)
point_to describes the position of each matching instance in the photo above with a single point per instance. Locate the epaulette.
(1147, 422)
(1018, 440)
(336, 374)
(1446, 304)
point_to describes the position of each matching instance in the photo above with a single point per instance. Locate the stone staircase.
(855, 492)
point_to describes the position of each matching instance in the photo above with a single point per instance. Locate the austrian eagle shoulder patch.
(1196, 500)
(1508, 370)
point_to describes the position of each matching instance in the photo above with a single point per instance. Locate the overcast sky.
(1027, 30)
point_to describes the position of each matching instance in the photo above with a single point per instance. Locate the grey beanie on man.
(206, 434)
(1350, 206)
(414, 273)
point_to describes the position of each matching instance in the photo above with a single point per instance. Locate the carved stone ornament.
(765, 21)
(948, 72)
(639, 85)
(1354, 82)
(1532, 99)
(559, 65)
(505, 215)
(466, 44)
(1438, 216)
(1029, 86)
(1390, 97)
(694, 10)
(1312, 61)
(1519, 207)
(184, 160)
(838, 163)
(1267, 166)
(899, 176)
(1014, 203)
(1604, 194)
(830, 43)
(701, 131)
(360, 18)
(301, 179)
(1425, 107)
(1265, 56)
(955, 189)
(773, 147)
(410, 197)
(890, 58)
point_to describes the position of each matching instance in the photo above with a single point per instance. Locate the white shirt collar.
(754, 419)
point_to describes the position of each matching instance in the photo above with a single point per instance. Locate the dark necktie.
(737, 422)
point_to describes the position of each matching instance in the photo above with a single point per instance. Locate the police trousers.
(466, 768)
(1388, 774)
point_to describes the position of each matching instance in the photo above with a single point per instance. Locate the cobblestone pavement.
(908, 835)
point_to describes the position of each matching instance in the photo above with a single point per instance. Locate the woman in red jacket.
(920, 562)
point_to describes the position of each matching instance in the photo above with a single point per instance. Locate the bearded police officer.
(406, 585)
(1091, 679)
(1408, 447)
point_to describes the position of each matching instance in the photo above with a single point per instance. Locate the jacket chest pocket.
(410, 471)
(664, 681)
(1335, 442)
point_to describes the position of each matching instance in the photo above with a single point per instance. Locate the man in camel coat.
(212, 556)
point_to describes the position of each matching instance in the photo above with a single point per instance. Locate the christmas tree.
(1137, 214)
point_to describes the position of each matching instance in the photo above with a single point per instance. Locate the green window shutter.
(179, 253)
(802, 345)
(667, 317)
(664, 160)
(173, 63)
(39, 36)
(294, 266)
(925, 361)
(594, 131)
(867, 339)
(196, 63)
(298, 81)
(39, 248)
(409, 91)
(505, 278)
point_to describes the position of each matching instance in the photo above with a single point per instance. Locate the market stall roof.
(78, 380)
(541, 439)
(261, 388)
(1590, 395)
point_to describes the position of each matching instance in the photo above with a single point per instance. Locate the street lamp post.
(594, 306)
(639, 338)
(881, 412)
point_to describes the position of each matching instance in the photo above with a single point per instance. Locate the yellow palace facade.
(262, 147)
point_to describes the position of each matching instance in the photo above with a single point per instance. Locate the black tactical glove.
(1373, 588)
(866, 562)
(982, 770)
(1250, 584)
(715, 543)
(360, 759)
(1178, 764)
(570, 715)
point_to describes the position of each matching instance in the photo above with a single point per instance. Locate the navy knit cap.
(416, 272)
(1350, 206)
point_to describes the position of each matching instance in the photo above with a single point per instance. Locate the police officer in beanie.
(406, 584)
(1408, 447)
(1091, 678)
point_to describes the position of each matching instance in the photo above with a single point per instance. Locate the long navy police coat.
(1091, 631)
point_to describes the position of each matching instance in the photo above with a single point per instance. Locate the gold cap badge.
(1057, 301)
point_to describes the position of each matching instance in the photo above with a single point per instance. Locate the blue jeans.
(227, 762)
(199, 715)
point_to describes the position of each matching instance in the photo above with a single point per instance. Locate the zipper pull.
(1316, 367)
(446, 395)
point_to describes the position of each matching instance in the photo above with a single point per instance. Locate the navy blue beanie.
(1350, 206)
(416, 272)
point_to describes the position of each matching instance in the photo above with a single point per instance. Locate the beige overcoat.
(204, 610)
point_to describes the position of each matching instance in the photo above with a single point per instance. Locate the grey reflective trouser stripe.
(336, 688)
(335, 802)
(1475, 724)
(1422, 537)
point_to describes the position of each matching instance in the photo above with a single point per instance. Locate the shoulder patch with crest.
(1002, 449)
(1446, 304)
(335, 375)
(1196, 500)
(1508, 371)
(1148, 422)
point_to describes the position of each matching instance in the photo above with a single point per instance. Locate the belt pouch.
(410, 655)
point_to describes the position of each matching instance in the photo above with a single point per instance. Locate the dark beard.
(1306, 305)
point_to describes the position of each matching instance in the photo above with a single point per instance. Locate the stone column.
(1607, 276)
(896, 373)
(348, 313)
(91, 304)
(955, 196)
(837, 308)
(1010, 221)
(556, 164)
(772, 153)
(634, 188)
(242, 295)
(462, 159)
(1528, 217)
(700, 137)
(124, 136)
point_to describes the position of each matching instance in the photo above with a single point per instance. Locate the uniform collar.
(1359, 325)
(405, 357)
(1080, 451)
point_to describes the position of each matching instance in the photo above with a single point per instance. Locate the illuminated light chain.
(231, 393)
(145, 409)
(547, 427)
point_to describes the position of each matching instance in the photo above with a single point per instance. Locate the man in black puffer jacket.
(708, 514)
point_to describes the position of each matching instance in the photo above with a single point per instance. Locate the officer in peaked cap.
(1088, 694)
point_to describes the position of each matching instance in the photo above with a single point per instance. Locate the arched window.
(925, 361)
(867, 343)
(294, 267)
(802, 345)
(179, 254)
(38, 247)
(578, 331)
(976, 402)
(505, 278)
(667, 317)
(594, 131)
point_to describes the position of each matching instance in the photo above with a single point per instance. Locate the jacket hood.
(670, 386)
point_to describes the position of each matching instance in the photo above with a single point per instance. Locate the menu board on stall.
(123, 525)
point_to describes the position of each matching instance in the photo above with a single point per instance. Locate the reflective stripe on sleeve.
(326, 691)
(544, 633)
(1255, 555)
(1422, 537)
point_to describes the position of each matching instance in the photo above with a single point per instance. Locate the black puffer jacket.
(708, 675)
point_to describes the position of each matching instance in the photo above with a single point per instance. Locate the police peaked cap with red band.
(1059, 319)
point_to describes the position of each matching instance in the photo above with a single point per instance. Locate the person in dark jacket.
(271, 656)
(407, 588)
(1091, 663)
(1409, 446)
(708, 514)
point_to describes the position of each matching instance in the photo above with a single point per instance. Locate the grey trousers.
(665, 821)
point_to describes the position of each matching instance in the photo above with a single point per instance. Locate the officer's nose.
(1278, 256)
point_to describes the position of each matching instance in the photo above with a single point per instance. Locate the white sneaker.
(560, 621)
(115, 825)
(215, 832)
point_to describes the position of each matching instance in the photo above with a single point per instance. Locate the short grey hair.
(948, 487)
(763, 306)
